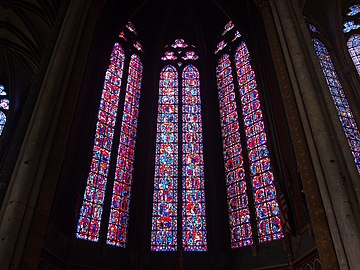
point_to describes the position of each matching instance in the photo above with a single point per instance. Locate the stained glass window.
(179, 116)
(221, 45)
(2, 121)
(341, 103)
(131, 27)
(190, 55)
(108, 125)
(179, 43)
(236, 35)
(119, 211)
(349, 26)
(169, 56)
(313, 28)
(193, 195)
(353, 45)
(91, 210)
(4, 106)
(240, 227)
(262, 177)
(355, 9)
(122, 35)
(164, 220)
(138, 46)
(228, 27)
(248, 171)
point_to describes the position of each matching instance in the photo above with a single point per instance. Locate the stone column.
(320, 169)
(26, 207)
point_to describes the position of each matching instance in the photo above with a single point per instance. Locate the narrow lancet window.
(164, 220)
(344, 112)
(91, 210)
(240, 227)
(193, 194)
(119, 211)
(251, 191)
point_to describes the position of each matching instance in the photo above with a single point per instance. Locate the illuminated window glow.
(119, 211)
(262, 178)
(122, 35)
(2, 121)
(91, 211)
(349, 26)
(138, 46)
(341, 103)
(228, 27)
(190, 55)
(355, 9)
(4, 106)
(353, 45)
(240, 227)
(179, 43)
(164, 220)
(169, 56)
(179, 116)
(193, 194)
(131, 27)
(313, 28)
(236, 36)
(221, 45)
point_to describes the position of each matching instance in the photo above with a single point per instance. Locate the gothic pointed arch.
(352, 33)
(179, 174)
(338, 95)
(251, 190)
(112, 161)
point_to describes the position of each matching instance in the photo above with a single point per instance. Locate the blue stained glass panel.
(354, 9)
(353, 45)
(345, 114)
(2, 121)
(349, 26)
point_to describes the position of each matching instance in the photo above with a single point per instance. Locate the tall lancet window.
(179, 163)
(341, 103)
(251, 192)
(113, 161)
(4, 107)
(352, 33)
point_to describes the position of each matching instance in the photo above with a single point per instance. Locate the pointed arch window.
(341, 103)
(4, 108)
(101, 176)
(352, 33)
(353, 45)
(251, 191)
(179, 165)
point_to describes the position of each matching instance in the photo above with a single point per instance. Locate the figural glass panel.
(193, 194)
(119, 210)
(165, 199)
(91, 211)
(240, 227)
(344, 112)
(353, 45)
(261, 174)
